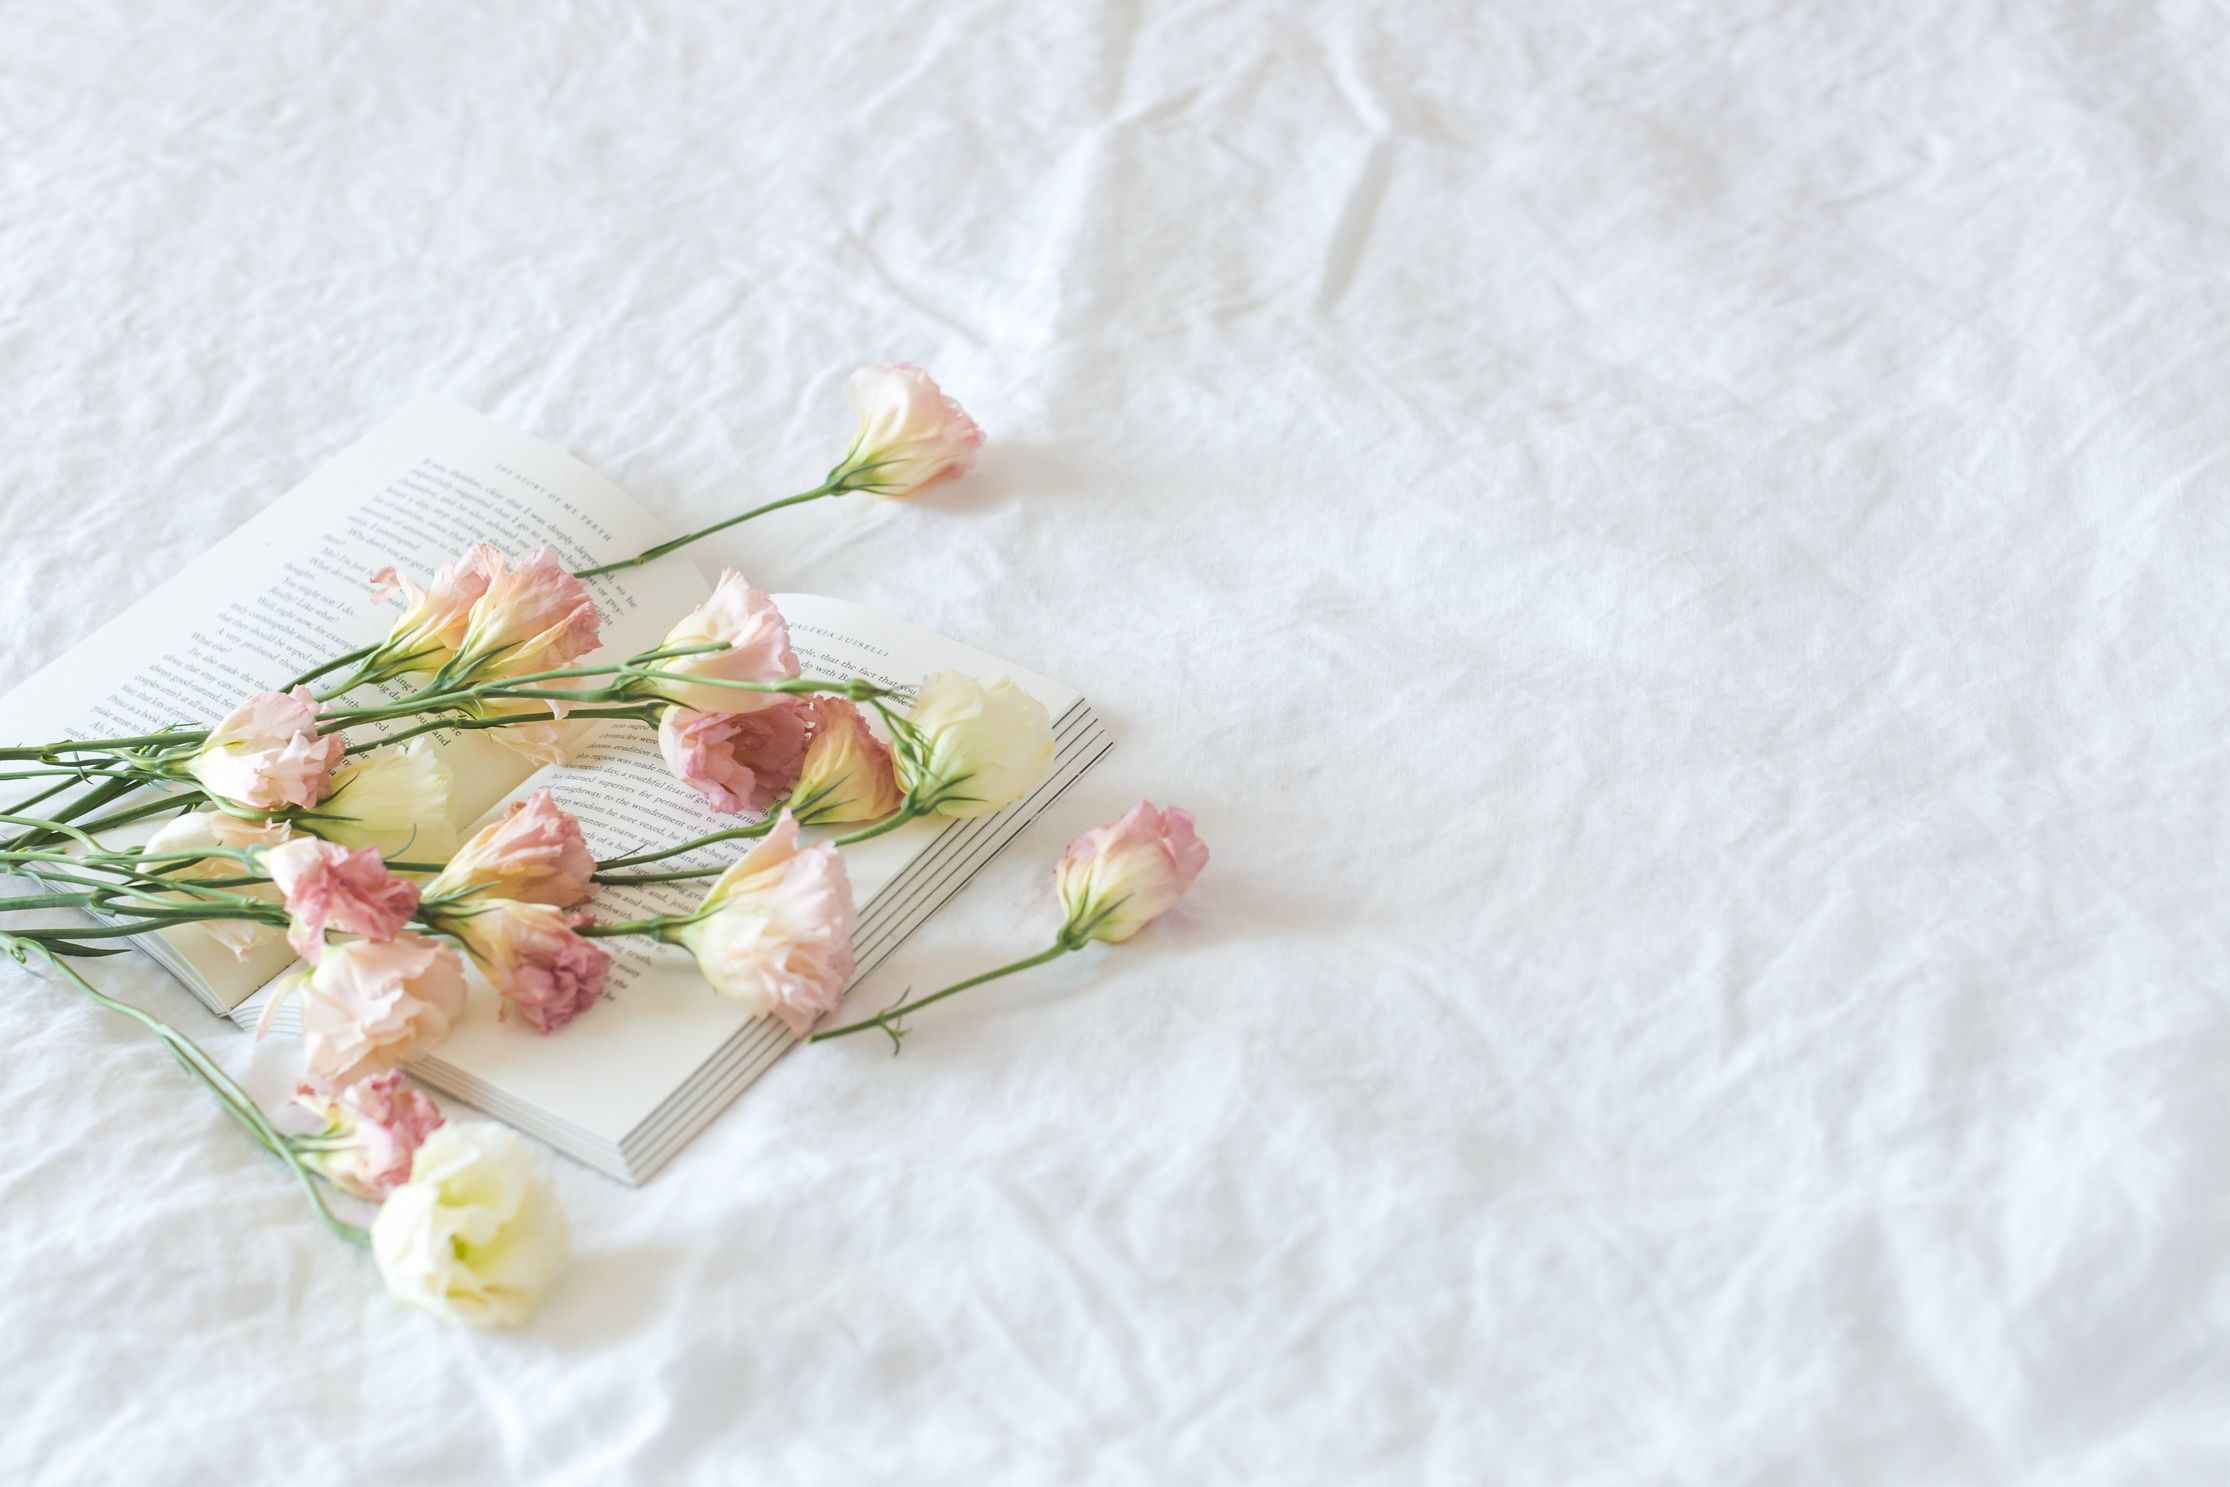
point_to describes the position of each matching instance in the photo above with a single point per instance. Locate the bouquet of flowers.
(278, 820)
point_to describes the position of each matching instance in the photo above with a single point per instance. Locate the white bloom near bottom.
(476, 1235)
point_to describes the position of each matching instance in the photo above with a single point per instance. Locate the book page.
(290, 589)
(608, 1070)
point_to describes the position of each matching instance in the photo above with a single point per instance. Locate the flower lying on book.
(329, 816)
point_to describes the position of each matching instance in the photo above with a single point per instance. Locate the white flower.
(394, 798)
(243, 937)
(979, 747)
(476, 1235)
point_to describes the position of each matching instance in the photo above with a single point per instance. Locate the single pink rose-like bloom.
(373, 1004)
(531, 955)
(535, 853)
(1113, 880)
(738, 761)
(779, 939)
(848, 774)
(333, 887)
(758, 650)
(372, 1130)
(435, 617)
(911, 436)
(267, 754)
(533, 617)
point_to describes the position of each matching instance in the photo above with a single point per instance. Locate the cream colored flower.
(977, 747)
(243, 937)
(476, 1236)
(372, 1005)
(394, 798)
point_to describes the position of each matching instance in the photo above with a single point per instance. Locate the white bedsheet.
(1678, 554)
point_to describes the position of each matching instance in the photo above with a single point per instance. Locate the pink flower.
(535, 617)
(332, 887)
(267, 754)
(373, 1004)
(758, 651)
(779, 937)
(738, 761)
(434, 617)
(1113, 880)
(531, 955)
(911, 436)
(534, 854)
(372, 1130)
(847, 774)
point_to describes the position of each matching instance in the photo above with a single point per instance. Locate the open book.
(627, 1083)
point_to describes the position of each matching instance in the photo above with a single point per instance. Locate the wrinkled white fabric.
(1677, 554)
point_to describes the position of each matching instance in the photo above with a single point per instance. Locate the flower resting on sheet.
(372, 1128)
(243, 937)
(847, 774)
(530, 954)
(738, 761)
(1114, 880)
(746, 621)
(535, 853)
(267, 754)
(1111, 881)
(911, 436)
(394, 798)
(476, 1236)
(974, 748)
(776, 931)
(327, 886)
(371, 1005)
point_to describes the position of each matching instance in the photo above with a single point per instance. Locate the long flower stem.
(889, 1016)
(678, 543)
(235, 1099)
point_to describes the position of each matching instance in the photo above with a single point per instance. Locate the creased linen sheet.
(1677, 553)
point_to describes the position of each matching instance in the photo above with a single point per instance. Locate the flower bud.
(911, 436)
(847, 774)
(535, 853)
(746, 621)
(534, 617)
(1113, 880)
(435, 617)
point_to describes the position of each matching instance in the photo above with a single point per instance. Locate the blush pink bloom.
(535, 853)
(779, 937)
(533, 617)
(738, 761)
(847, 774)
(531, 955)
(374, 1004)
(267, 754)
(333, 887)
(911, 436)
(1114, 880)
(435, 617)
(372, 1130)
(758, 650)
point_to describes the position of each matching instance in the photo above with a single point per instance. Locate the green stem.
(333, 665)
(664, 548)
(235, 1099)
(891, 822)
(733, 834)
(890, 1015)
